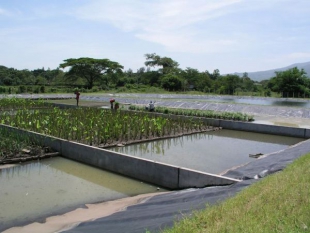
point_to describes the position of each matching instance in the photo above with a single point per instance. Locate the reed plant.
(236, 116)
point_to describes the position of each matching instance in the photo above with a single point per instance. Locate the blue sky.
(229, 35)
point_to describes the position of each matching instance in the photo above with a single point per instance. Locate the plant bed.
(19, 103)
(237, 116)
(103, 128)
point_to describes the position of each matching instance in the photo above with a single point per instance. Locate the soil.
(27, 154)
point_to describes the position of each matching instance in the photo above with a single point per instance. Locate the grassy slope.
(278, 203)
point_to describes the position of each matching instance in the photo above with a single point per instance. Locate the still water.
(212, 152)
(44, 188)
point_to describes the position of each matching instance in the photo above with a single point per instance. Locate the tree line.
(92, 74)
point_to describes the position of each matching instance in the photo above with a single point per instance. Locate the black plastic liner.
(163, 210)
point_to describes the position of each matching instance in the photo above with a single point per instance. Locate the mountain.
(267, 74)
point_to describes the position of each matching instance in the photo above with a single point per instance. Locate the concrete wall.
(160, 174)
(248, 126)
(262, 128)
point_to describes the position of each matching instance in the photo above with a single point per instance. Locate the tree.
(292, 82)
(216, 74)
(171, 82)
(90, 69)
(191, 76)
(227, 84)
(166, 63)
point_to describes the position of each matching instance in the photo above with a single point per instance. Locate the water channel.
(36, 190)
(212, 152)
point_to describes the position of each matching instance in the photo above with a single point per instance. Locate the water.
(44, 188)
(212, 152)
(267, 101)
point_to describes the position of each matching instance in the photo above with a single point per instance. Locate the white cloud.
(172, 24)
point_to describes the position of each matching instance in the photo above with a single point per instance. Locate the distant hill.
(263, 75)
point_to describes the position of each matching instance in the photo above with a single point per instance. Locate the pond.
(36, 190)
(179, 98)
(211, 152)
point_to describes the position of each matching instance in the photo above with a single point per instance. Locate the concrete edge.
(160, 174)
(244, 126)
(188, 178)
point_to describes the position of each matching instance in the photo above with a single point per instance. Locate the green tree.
(166, 63)
(227, 84)
(90, 69)
(171, 82)
(291, 83)
(215, 75)
(191, 77)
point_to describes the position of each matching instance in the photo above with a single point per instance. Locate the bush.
(22, 89)
(42, 89)
(2, 89)
(95, 89)
(36, 90)
(54, 90)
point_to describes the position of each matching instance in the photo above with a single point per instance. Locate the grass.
(278, 203)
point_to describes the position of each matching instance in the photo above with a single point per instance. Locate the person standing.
(77, 97)
(111, 102)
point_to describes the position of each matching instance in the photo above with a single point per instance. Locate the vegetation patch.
(19, 103)
(101, 127)
(237, 116)
(15, 148)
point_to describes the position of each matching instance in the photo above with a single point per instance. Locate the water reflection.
(212, 152)
(52, 186)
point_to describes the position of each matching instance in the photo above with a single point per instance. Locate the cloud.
(175, 24)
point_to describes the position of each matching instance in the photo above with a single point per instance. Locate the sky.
(229, 35)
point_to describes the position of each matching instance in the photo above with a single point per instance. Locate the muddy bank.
(27, 154)
(90, 213)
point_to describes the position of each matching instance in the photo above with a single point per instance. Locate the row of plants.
(100, 127)
(237, 116)
(20, 103)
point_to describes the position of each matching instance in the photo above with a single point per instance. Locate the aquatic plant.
(11, 143)
(237, 116)
(20, 103)
(100, 127)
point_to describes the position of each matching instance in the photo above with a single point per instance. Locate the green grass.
(278, 203)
